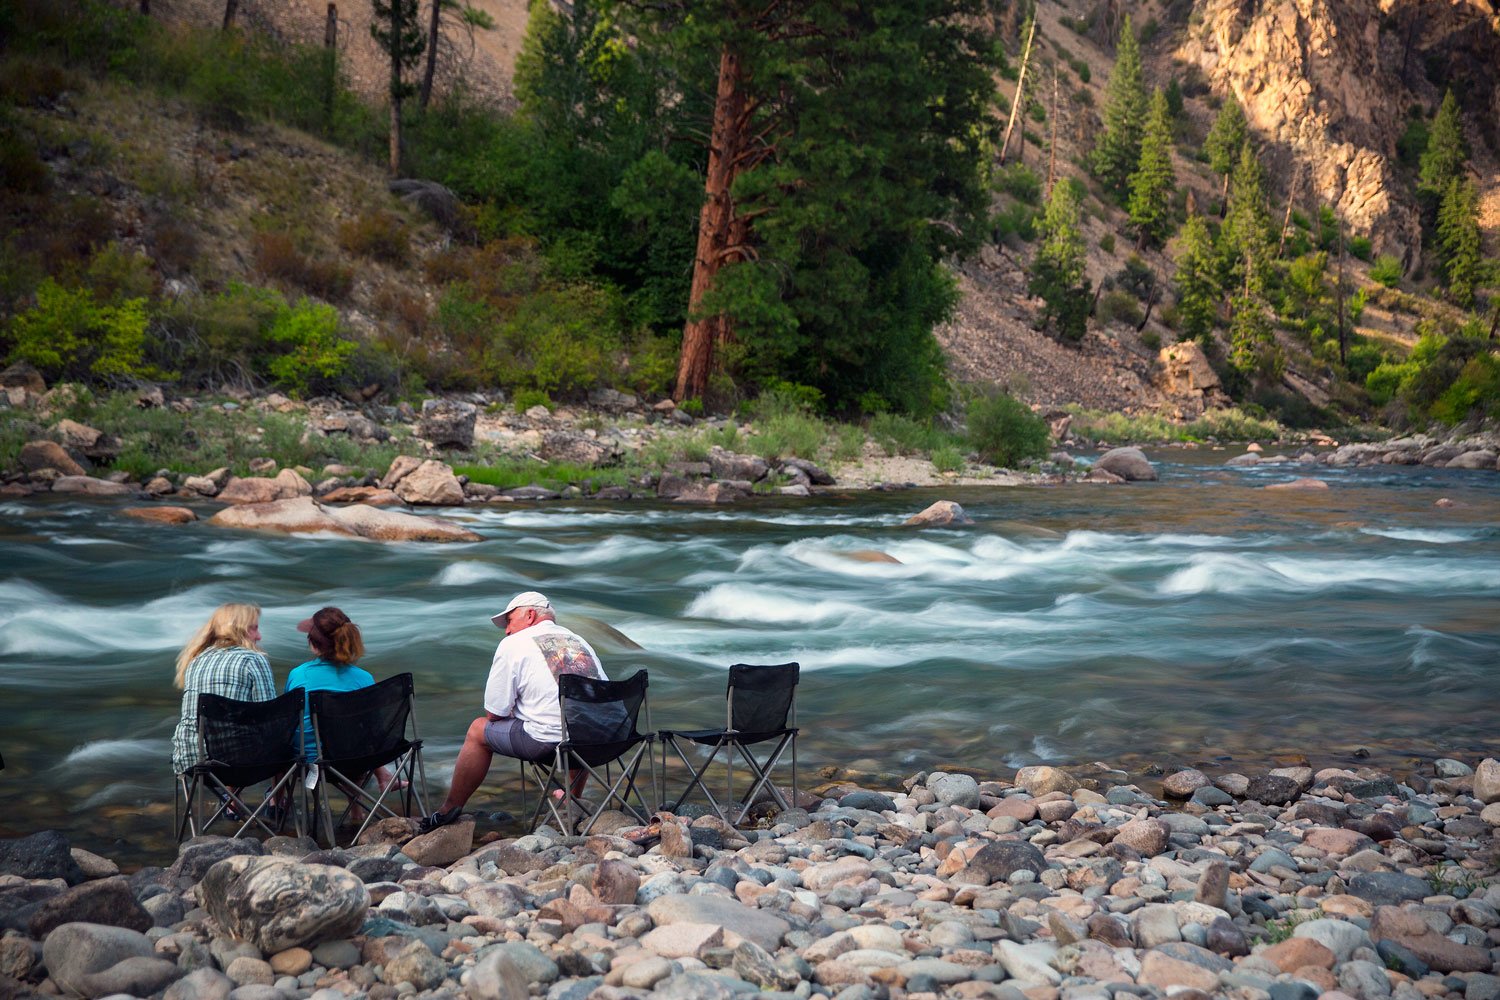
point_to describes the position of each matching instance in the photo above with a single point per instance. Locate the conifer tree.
(1252, 342)
(1244, 239)
(400, 36)
(1459, 240)
(1447, 151)
(1196, 282)
(1057, 271)
(1224, 140)
(1152, 184)
(1119, 148)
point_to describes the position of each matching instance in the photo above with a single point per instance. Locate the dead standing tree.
(1015, 106)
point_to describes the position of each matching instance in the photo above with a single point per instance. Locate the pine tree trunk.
(1052, 146)
(395, 164)
(145, 8)
(330, 62)
(1020, 95)
(432, 47)
(1224, 198)
(719, 232)
(331, 27)
(1339, 307)
(1286, 220)
(230, 8)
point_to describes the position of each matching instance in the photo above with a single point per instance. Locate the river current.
(1199, 620)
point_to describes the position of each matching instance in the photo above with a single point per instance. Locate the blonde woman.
(224, 658)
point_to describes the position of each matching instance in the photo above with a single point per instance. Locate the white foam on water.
(734, 602)
(114, 753)
(1437, 536)
(468, 573)
(615, 548)
(117, 793)
(58, 627)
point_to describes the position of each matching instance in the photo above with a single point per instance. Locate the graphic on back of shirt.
(566, 655)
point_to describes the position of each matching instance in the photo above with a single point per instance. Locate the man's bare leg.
(472, 765)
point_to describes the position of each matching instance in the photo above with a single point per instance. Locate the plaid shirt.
(233, 672)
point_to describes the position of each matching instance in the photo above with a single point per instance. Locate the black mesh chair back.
(242, 743)
(762, 698)
(357, 732)
(601, 728)
(760, 707)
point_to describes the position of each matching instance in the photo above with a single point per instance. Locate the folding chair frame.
(406, 766)
(732, 740)
(202, 778)
(568, 758)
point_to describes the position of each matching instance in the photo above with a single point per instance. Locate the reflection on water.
(1187, 621)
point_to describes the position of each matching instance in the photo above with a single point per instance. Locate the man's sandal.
(439, 818)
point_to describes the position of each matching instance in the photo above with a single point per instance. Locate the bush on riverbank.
(1231, 424)
(1447, 379)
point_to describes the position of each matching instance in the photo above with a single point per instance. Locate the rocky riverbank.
(1286, 885)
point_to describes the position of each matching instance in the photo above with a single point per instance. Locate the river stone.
(525, 957)
(38, 455)
(1301, 484)
(442, 846)
(862, 798)
(1487, 780)
(247, 970)
(298, 515)
(955, 790)
(615, 883)
(848, 870)
(1147, 837)
(1213, 885)
(108, 901)
(1338, 936)
(198, 855)
(998, 861)
(1480, 459)
(1156, 924)
(1130, 464)
(432, 484)
(760, 926)
(1299, 952)
(1273, 789)
(1166, 973)
(41, 855)
(416, 964)
(1409, 930)
(401, 467)
(383, 525)
(940, 513)
(1388, 888)
(1182, 784)
(1040, 779)
(278, 904)
(74, 952)
(89, 486)
(729, 465)
(1029, 964)
(161, 515)
(573, 448)
(200, 984)
(448, 423)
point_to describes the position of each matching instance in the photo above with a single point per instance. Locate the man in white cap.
(522, 717)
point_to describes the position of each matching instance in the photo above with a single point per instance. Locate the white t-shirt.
(523, 676)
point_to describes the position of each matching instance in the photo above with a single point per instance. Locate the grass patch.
(948, 459)
(903, 435)
(1278, 931)
(508, 474)
(1232, 424)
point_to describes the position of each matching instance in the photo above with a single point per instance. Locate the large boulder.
(297, 516)
(1130, 464)
(94, 960)
(259, 489)
(38, 455)
(108, 901)
(998, 861)
(761, 926)
(42, 855)
(448, 423)
(371, 495)
(729, 465)
(277, 903)
(573, 448)
(1189, 379)
(86, 440)
(433, 484)
(942, 512)
(401, 467)
(89, 486)
(815, 474)
(440, 204)
(1481, 459)
(393, 526)
(1487, 780)
(23, 375)
(161, 515)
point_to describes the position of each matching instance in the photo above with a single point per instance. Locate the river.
(1199, 620)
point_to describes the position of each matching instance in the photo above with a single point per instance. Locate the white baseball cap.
(526, 599)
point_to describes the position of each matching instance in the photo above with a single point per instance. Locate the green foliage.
(1107, 243)
(1230, 424)
(1446, 152)
(525, 399)
(948, 459)
(1361, 247)
(1196, 282)
(1446, 378)
(1413, 142)
(315, 356)
(558, 340)
(510, 472)
(1459, 241)
(899, 434)
(1174, 99)
(1020, 182)
(787, 433)
(68, 333)
(1252, 342)
(1154, 182)
(1004, 431)
(1118, 306)
(1057, 270)
(1118, 150)
(379, 235)
(1245, 237)
(1226, 137)
(402, 40)
(1386, 270)
(1281, 930)
(1015, 220)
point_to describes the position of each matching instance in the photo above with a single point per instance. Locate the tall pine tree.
(1118, 150)
(1447, 151)
(1245, 237)
(1224, 140)
(1057, 270)
(1153, 183)
(396, 28)
(1459, 239)
(1196, 282)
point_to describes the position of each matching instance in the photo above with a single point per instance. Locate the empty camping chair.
(761, 707)
(600, 729)
(357, 732)
(242, 744)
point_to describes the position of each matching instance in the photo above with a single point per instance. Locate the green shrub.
(316, 357)
(214, 339)
(278, 258)
(527, 398)
(559, 340)
(1107, 243)
(1151, 339)
(508, 473)
(1082, 69)
(692, 407)
(1119, 306)
(848, 443)
(948, 459)
(789, 434)
(70, 334)
(899, 434)
(1386, 270)
(1004, 431)
(1015, 220)
(1361, 247)
(378, 235)
(1021, 183)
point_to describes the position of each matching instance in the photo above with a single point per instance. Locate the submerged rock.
(943, 512)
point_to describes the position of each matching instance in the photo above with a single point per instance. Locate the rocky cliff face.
(1326, 85)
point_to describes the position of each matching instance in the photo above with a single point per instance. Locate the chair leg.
(696, 777)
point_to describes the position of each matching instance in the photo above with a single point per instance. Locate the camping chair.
(242, 743)
(358, 731)
(761, 707)
(600, 729)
